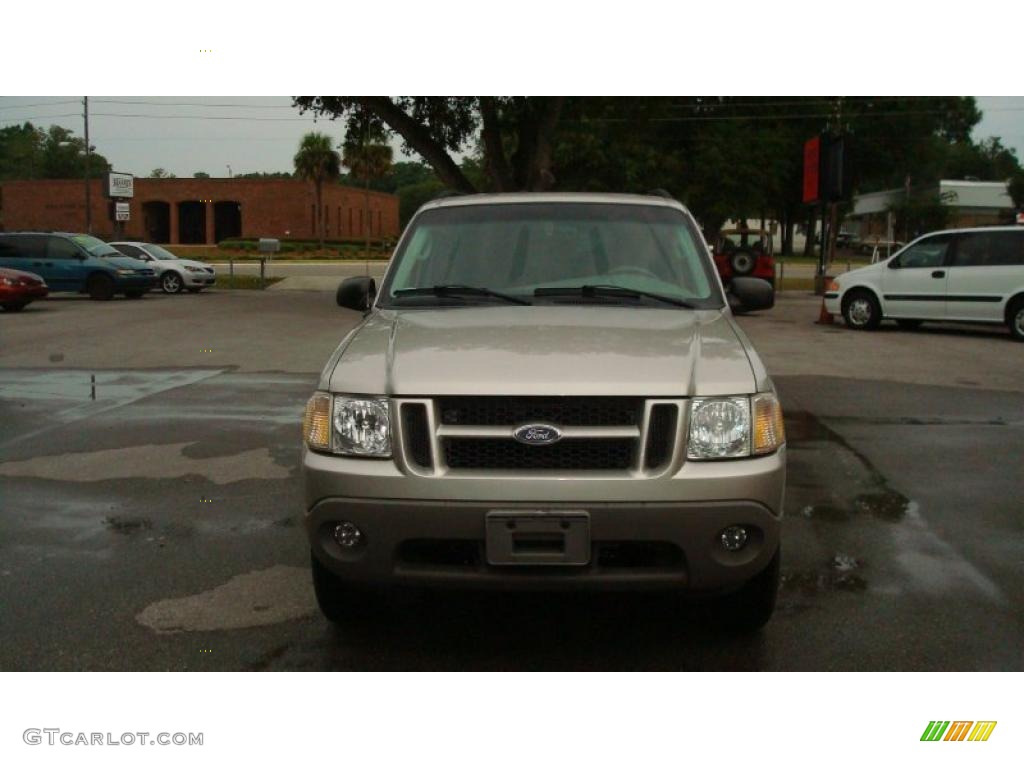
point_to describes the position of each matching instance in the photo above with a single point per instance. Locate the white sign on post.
(120, 185)
(122, 211)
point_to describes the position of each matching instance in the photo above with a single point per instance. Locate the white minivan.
(959, 275)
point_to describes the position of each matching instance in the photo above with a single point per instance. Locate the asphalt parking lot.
(157, 525)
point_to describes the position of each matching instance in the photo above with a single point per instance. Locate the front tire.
(752, 606)
(15, 306)
(134, 294)
(339, 602)
(861, 311)
(100, 288)
(171, 282)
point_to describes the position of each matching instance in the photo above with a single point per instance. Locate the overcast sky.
(206, 133)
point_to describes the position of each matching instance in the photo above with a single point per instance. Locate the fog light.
(734, 538)
(347, 535)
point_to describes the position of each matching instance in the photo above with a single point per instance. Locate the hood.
(543, 350)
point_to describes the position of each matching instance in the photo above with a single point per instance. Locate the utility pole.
(88, 191)
(366, 185)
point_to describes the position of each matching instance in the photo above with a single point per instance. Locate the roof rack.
(659, 192)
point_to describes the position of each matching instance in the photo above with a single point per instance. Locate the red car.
(745, 253)
(18, 289)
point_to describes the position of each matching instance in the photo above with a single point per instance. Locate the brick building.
(198, 211)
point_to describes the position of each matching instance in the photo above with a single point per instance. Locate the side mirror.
(357, 293)
(894, 264)
(749, 294)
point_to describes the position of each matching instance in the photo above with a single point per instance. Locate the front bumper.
(833, 303)
(199, 279)
(431, 531)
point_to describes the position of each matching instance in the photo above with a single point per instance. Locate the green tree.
(200, 175)
(161, 173)
(1016, 189)
(317, 161)
(516, 133)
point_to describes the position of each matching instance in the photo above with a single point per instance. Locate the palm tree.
(318, 161)
(367, 161)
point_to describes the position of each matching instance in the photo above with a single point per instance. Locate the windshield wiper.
(611, 291)
(460, 290)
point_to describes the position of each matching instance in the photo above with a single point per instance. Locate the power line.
(40, 104)
(209, 117)
(194, 104)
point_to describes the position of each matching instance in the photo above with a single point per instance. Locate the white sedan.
(174, 274)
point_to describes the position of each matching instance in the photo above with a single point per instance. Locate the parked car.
(173, 274)
(962, 275)
(549, 391)
(76, 263)
(745, 253)
(19, 289)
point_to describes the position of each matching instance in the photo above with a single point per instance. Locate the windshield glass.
(516, 248)
(160, 253)
(95, 246)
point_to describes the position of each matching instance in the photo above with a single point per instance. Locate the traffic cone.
(824, 317)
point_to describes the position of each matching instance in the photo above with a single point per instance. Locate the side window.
(131, 250)
(927, 254)
(59, 248)
(1007, 249)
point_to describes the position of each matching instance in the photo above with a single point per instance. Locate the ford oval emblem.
(537, 434)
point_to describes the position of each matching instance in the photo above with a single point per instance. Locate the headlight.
(126, 272)
(352, 426)
(719, 428)
(7, 281)
(195, 269)
(734, 427)
(362, 426)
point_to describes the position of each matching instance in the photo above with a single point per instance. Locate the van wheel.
(171, 282)
(861, 311)
(909, 325)
(15, 306)
(1016, 318)
(100, 288)
(750, 608)
(339, 602)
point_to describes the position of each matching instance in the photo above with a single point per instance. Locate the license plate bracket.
(537, 537)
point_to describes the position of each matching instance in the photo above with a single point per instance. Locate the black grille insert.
(661, 435)
(560, 411)
(498, 453)
(417, 434)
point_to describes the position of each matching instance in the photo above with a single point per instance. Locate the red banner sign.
(812, 159)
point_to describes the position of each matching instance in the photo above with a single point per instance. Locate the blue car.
(76, 263)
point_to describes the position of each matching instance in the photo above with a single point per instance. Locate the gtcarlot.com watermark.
(56, 736)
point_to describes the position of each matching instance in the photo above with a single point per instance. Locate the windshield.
(517, 248)
(160, 253)
(95, 246)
